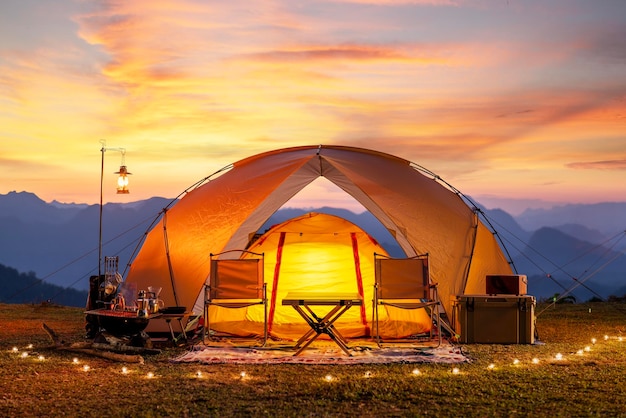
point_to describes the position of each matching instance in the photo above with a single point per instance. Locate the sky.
(521, 100)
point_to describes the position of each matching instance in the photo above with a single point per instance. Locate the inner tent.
(312, 253)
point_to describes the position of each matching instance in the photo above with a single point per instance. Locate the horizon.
(506, 99)
(307, 201)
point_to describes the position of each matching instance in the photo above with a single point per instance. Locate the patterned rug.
(446, 353)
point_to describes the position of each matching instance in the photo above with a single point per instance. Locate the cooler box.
(494, 319)
(506, 284)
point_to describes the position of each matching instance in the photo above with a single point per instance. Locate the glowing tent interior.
(308, 253)
(226, 209)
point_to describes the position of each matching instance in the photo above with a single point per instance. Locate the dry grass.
(591, 384)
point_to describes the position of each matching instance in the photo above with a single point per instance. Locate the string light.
(328, 378)
(491, 366)
(15, 349)
(558, 356)
(606, 337)
(243, 374)
(516, 362)
(30, 346)
(593, 341)
(124, 370)
(24, 354)
(456, 370)
(41, 358)
(580, 352)
(619, 339)
(199, 374)
(587, 348)
(535, 360)
(367, 374)
(86, 367)
(150, 375)
(75, 360)
(416, 372)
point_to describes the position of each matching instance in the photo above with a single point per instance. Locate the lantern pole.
(122, 188)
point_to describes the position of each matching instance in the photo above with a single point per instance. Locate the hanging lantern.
(122, 181)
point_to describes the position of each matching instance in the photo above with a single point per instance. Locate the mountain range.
(560, 248)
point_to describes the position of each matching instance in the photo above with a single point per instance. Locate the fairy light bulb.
(491, 366)
(124, 370)
(328, 378)
(150, 375)
(416, 372)
(368, 374)
(456, 370)
(619, 339)
(516, 362)
(243, 374)
(15, 349)
(535, 360)
(580, 352)
(606, 337)
(587, 348)
(41, 358)
(86, 367)
(199, 374)
(24, 354)
(75, 360)
(593, 341)
(30, 346)
(558, 356)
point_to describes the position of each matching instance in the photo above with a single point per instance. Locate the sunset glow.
(502, 99)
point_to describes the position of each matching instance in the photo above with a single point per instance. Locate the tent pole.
(167, 254)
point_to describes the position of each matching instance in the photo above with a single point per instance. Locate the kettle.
(143, 307)
(119, 304)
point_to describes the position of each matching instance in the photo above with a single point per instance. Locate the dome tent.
(225, 210)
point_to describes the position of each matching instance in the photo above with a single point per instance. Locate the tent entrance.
(315, 253)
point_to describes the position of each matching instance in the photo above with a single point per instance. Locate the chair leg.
(377, 332)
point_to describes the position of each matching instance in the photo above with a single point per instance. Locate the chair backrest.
(402, 278)
(236, 279)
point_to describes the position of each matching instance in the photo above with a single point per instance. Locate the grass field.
(581, 383)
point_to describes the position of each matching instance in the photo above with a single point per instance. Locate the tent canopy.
(422, 213)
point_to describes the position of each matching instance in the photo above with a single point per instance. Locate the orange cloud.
(599, 165)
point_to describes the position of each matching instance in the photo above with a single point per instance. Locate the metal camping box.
(494, 319)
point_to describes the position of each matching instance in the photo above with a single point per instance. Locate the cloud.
(599, 165)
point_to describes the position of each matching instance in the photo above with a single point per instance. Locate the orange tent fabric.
(423, 213)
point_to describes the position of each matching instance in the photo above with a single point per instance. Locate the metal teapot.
(119, 304)
(143, 305)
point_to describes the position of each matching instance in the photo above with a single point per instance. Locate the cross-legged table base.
(302, 303)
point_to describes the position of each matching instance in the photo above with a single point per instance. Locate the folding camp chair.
(235, 283)
(405, 283)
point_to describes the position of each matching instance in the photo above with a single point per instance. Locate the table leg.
(322, 325)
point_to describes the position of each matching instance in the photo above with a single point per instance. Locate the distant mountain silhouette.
(16, 287)
(606, 218)
(59, 242)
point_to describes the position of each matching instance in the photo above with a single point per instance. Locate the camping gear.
(235, 284)
(506, 284)
(118, 304)
(225, 210)
(495, 319)
(120, 323)
(404, 283)
(339, 303)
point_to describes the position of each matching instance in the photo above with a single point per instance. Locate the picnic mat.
(322, 355)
